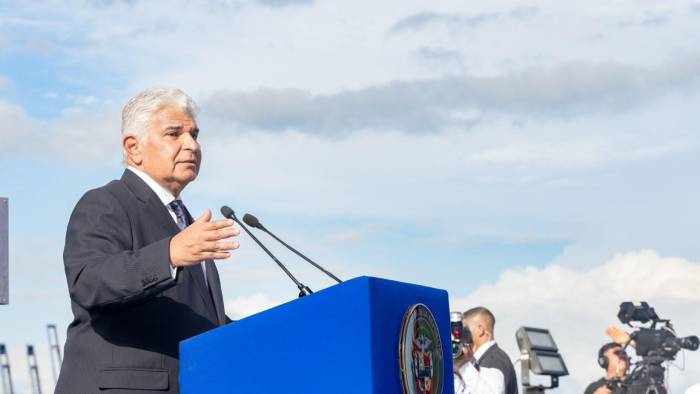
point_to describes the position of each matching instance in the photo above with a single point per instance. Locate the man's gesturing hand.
(199, 241)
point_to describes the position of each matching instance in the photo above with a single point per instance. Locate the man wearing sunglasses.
(613, 359)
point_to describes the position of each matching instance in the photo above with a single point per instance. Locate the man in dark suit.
(487, 355)
(140, 271)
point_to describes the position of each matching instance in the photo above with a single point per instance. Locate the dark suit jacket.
(130, 315)
(495, 357)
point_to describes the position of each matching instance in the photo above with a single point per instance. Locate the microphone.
(252, 221)
(303, 290)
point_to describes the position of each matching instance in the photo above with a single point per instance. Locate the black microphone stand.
(303, 289)
(263, 228)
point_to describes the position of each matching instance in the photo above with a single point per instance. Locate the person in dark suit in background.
(140, 270)
(487, 354)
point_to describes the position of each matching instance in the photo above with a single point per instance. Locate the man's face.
(617, 362)
(170, 153)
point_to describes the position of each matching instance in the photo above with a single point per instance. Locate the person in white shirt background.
(471, 375)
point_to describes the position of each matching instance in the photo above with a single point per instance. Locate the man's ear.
(482, 330)
(132, 147)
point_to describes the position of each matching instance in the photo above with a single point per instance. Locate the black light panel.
(541, 340)
(551, 364)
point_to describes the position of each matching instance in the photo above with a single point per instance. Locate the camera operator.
(613, 359)
(655, 343)
(487, 368)
(469, 377)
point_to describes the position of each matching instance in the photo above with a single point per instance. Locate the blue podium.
(343, 339)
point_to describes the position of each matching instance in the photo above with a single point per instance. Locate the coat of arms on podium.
(420, 352)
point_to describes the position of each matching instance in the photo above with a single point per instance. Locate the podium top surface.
(351, 285)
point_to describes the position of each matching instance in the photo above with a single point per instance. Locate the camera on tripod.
(655, 344)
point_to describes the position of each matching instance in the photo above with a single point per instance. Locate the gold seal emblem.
(420, 352)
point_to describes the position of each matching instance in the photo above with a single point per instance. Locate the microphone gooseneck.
(229, 213)
(252, 221)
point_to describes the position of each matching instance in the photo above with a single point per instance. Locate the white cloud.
(577, 306)
(343, 73)
(81, 136)
(70, 111)
(16, 127)
(363, 173)
(346, 47)
(82, 99)
(78, 135)
(352, 235)
(240, 307)
(432, 105)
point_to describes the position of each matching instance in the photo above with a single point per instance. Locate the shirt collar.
(163, 194)
(483, 348)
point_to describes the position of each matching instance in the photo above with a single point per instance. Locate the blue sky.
(479, 147)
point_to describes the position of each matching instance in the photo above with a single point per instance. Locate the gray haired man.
(140, 269)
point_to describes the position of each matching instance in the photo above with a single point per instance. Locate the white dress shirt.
(481, 380)
(166, 198)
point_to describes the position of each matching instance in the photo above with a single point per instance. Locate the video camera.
(655, 344)
(461, 335)
(652, 342)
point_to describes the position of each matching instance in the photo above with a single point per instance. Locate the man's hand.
(618, 335)
(467, 355)
(468, 352)
(199, 241)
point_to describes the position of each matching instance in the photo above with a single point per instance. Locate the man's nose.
(190, 143)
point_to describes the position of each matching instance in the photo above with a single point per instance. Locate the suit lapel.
(215, 286)
(198, 276)
(154, 205)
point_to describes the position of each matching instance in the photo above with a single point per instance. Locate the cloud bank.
(428, 106)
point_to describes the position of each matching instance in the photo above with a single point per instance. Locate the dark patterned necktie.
(179, 208)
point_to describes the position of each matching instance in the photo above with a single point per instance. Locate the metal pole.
(525, 375)
(4, 253)
(5, 375)
(525, 368)
(54, 351)
(33, 370)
